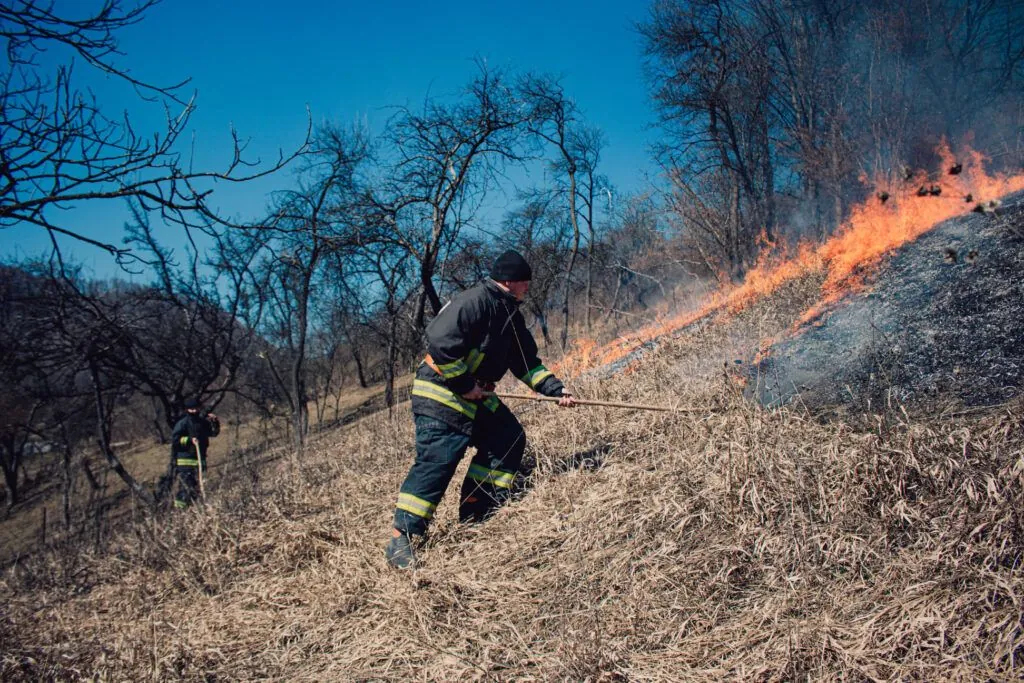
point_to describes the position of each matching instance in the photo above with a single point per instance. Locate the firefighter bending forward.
(475, 339)
(189, 441)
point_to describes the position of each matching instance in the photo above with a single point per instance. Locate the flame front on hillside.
(892, 215)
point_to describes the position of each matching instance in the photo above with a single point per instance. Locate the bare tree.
(536, 228)
(58, 147)
(713, 85)
(389, 291)
(587, 144)
(445, 157)
(307, 224)
(769, 103)
(552, 119)
(105, 397)
(149, 346)
(344, 312)
(636, 255)
(23, 360)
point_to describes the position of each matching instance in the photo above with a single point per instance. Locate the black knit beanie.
(511, 267)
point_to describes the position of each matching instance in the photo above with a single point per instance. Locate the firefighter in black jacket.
(189, 441)
(475, 339)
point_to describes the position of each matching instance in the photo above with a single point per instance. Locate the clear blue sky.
(259, 64)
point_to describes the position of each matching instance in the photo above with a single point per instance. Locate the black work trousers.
(186, 470)
(500, 442)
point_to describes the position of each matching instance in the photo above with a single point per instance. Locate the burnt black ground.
(942, 319)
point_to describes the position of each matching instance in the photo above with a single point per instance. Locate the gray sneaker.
(400, 552)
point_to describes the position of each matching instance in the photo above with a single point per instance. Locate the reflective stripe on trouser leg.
(500, 442)
(439, 447)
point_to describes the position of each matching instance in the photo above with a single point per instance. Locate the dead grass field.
(732, 544)
(38, 517)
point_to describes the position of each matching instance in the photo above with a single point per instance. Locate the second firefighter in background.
(190, 440)
(474, 340)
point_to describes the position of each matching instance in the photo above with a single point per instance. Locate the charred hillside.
(941, 320)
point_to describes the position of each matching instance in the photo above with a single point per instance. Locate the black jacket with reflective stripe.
(189, 426)
(476, 338)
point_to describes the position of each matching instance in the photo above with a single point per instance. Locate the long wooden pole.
(609, 404)
(199, 467)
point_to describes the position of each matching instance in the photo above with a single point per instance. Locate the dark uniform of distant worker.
(475, 339)
(189, 440)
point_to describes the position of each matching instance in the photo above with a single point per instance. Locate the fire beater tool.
(609, 404)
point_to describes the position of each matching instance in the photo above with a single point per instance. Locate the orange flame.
(874, 228)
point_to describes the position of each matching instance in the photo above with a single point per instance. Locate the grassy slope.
(739, 545)
(22, 527)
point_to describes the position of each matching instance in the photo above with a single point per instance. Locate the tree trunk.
(615, 298)
(389, 377)
(542, 320)
(837, 177)
(103, 440)
(590, 252)
(768, 178)
(735, 259)
(572, 256)
(420, 315)
(300, 408)
(10, 460)
(429, 293)
(69, 478)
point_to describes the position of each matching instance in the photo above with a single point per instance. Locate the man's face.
(519, 289)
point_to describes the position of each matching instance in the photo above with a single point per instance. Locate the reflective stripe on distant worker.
(417, 506)
(435, 392)
(188, 462)
(184, 440)
(496, 477)
(534, 377)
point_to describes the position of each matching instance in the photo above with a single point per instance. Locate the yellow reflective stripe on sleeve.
(415, 505)
(474, 358)
(492, 403)
(534, 377)
(435, 392)
(183, 441)
(496, 477)
(453, 369)
(188, 462)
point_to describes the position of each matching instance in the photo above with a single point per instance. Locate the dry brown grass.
(741, 545)
(38, 517)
